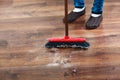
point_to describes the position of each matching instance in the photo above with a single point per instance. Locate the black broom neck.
(66, 17)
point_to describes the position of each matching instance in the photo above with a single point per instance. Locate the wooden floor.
(25, 26)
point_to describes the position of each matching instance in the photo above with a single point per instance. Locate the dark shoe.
(93, 22)
(72, 16)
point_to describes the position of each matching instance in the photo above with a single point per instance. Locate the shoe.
(93, 22)
(72, 16)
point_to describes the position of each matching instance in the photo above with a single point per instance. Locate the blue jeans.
(97, 5)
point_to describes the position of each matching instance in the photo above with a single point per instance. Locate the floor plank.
(25, 26)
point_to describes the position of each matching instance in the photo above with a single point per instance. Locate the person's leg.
(96, 16)
(79, 3)
(79, 10)
(97, 6)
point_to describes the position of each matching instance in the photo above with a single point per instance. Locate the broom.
(66, 41)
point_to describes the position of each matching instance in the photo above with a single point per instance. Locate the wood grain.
(25, 26)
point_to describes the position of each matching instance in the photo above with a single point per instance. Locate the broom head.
(67, 42)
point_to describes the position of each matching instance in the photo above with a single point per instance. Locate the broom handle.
(66, 17)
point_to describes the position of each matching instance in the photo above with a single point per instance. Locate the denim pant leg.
(98, 6)
(79, 3)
